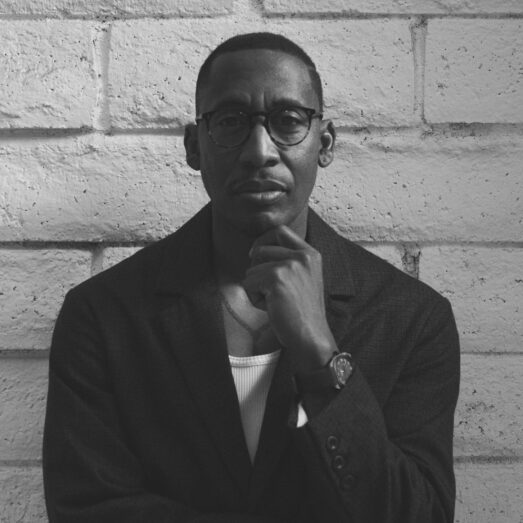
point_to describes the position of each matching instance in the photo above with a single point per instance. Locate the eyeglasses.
(228, 127)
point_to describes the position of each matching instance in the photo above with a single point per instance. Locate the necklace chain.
(254, 333)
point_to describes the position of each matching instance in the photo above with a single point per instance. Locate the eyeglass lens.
(231, 127)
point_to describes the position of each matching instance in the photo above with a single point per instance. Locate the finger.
(282, 236)
(257, 283)
(269, 253)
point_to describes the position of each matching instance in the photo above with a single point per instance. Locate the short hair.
(263, 40)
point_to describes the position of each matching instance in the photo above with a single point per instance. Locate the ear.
(327, 140)
(192, 148)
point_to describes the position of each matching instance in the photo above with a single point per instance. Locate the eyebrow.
(240, 102)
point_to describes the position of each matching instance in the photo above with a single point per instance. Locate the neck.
(231, 246)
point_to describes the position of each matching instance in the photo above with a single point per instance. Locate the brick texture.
(23, 389)
(427, 99)
(115, 8)
(114, 255)
(390, 253)
(150, 88)
(46, 76)
(490, 408)
(32, 288)
(124, 188)
(485, 285)
(21, 495)
(409, 7)
(435, 188)
(489, 493)
(474, 71)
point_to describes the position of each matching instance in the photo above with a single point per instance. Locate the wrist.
(334, 375)
(313, 355)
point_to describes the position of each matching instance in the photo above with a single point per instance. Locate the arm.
(90, 473)
(367, 462)
(390, 463)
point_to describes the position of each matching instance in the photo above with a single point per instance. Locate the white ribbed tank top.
(252, 377)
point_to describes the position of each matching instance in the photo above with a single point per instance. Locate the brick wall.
(427, 96)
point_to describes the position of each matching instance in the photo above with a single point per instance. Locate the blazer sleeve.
(90, 473)
(390, 463)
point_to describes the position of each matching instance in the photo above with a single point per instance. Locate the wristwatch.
(334, 374)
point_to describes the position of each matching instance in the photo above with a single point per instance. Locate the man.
(254, 366)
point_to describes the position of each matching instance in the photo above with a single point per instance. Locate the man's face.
(259, 185)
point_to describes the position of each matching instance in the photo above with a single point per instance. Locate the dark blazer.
(143, 423)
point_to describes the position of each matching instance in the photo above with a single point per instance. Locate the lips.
(259, 192)
(258, 186)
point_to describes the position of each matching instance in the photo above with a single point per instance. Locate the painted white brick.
(22, 495)
(112, 188)
(33, 284)
(366, 66)
(390, 253)
(275, 7)
(116, 8)
(46, 74)
(474, 71)
(401, 188)
(485, 286)
(489, 493)
(114, 255)
(490, 407)
(23, 391)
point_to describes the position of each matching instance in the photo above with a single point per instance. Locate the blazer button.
(332, 443)
(338, 462)
(348, 481)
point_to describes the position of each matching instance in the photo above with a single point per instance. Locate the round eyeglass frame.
(311, 113)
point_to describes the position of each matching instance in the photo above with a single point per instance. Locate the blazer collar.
(187, 260)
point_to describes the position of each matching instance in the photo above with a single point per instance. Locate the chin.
(261, 222)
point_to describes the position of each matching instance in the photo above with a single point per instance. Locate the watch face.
(342, 368)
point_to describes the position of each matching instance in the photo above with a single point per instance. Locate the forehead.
(259, 78)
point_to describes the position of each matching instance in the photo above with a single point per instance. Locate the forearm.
(375, 477)
(389, 460)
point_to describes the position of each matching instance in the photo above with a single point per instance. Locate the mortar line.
(106, 17)
(92, 244)
(486, 354)
(418, 31)
(101, 37)
(338, 15)
(488, 460)
(97, 259)
(83, 245)
(43, 354)
(21, 463)
(426, 130)
(410, 259)
(326, 15)
(24, 354)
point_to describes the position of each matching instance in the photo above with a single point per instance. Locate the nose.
(259, 150)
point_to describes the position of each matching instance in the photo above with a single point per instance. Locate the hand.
(285, 279)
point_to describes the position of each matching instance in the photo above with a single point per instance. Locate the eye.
(228, 119)
(289, 119)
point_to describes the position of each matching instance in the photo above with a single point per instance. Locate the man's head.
(259, 136)
(251, 41)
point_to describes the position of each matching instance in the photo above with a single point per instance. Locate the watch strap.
(318, 380)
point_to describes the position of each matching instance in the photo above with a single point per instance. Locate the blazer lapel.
(339, 289)
(192, 325)
(274, 435)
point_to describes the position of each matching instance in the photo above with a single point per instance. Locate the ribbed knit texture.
(252, 377)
